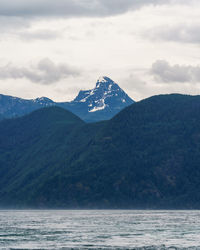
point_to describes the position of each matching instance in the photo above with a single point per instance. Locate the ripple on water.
(104, 229)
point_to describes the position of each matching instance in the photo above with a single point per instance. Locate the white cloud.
(164, 72)
(45, 72)
(186, 33)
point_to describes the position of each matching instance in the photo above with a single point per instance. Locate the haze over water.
(99, 229)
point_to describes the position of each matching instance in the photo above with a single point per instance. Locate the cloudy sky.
(55, 48)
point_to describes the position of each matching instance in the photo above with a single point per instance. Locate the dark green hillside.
(148, 156)
(29, 146)
(154, 147)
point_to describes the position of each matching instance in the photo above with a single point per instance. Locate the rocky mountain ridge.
(100, 103)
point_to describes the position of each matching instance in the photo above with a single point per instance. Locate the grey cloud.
(39, 35)
(71, 8)
(13, 23)
(45, 72)
(164, 72)
(179, 33)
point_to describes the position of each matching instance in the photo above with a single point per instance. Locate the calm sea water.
(100, 229)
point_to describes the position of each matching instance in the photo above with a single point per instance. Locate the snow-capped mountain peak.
(107, 95)
(104, 82)
(100, 103)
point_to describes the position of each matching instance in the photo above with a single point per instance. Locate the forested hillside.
(147, 156)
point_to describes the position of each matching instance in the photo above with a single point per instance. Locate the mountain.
(100, 103)
(14, 107)
(147, 156)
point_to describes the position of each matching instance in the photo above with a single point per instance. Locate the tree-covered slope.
(148, 156)
(30, 146)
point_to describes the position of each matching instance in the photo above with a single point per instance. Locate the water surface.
(99, 229)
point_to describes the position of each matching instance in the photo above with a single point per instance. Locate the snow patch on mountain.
(99, 107)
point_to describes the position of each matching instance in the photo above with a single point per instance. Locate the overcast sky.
(55, 48)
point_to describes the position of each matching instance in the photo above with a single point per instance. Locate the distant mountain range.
(147, 156)
(100, 103)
